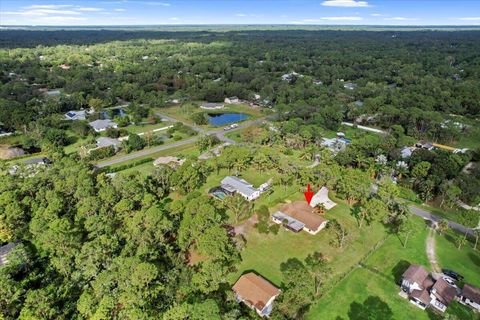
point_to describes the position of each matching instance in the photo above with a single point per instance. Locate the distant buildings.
(232, 100)
(289, 77)
(105, 142)
(75, 115)
(102, 125)
(337, 144)
(406, 152)
(349, 85)
(424, 145)
(64, 66)
(212, 106)
(256, 292)
(173, 162)
(4, 251)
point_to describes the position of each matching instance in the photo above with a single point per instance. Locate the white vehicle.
(233, 125)
(450, 281)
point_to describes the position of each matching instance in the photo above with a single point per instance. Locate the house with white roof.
(236, 185)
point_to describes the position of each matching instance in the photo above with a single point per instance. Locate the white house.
(256, 292)
(212, 106)
(240, 186)
(441, 295)
(321, 197)
(232, 100)
(102, 125)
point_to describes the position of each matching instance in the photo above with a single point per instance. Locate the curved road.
(431, 217)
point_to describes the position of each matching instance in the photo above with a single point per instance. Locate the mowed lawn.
(465, 261)
(265, 253)
(372, 289)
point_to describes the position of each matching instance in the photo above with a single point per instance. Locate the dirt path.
(432, 257)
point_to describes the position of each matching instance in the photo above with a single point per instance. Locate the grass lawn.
(146, 168)
(465, 261)
(265, 253)
(147, 127)
(372, 288)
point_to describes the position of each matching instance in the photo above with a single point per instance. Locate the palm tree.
(319, 209)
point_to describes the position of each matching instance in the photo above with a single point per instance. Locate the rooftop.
(303, 212)
(255, 290)
(4, 251)
(416, 273)
(233, 184)
(472, 293)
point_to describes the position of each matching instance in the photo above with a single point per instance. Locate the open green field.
(183, 112)
(371, 287)
(265, 253)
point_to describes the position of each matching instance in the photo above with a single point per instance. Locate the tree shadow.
(399, 269)
(373, 308)
(475, 258)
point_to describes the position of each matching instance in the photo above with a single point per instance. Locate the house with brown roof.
(297, 216)
(442, 294)
(470, 296)
(415, 282)
(425, 291)
(256, 292)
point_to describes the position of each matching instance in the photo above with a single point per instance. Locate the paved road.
(145, 152)
(219, 133)
(429, 216)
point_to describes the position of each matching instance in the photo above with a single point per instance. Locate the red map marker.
(308, 194)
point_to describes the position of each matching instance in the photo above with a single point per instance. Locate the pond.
(220, 119)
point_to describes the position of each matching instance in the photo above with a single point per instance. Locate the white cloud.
(399, 18)
(119, 10)
(241, 15)
(469, 18)
(89, 9)
(345, 3)
(60, 19)
(377, 15)
(48, 6)
(174, 18)
(41, 12)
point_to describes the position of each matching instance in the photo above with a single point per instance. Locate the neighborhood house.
(104, 142)
(424, 291)
(298, 216)
(75, 115)
(212, 106)
(102, 125)
(470, 296)
(232, 100)
(234, 185)
(256, 292)
(4, 251)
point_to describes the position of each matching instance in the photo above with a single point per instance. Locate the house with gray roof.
(350, 86)
(212, 106)
(236, 185)
(4, 251)
(104, 142)
(102, 125)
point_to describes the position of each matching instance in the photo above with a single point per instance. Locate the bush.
(199, 118)
(274, 228)
(126, 166)
(262, 227)
(409, 194)
(101, 153)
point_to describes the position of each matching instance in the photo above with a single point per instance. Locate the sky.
(295, 12)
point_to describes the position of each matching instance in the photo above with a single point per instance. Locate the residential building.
(4, 251)
(232, 100)
(425, 291)
(212, 106)
(236, 185)
(102, 125)
(321, 197)
(442, 294)
(470, 296)
(36, 161)
(350, 86)
(424, 145)
(256, 292)
(299, 216)
(75, 115)
(406, 152)
(335, 144)
(105, 142)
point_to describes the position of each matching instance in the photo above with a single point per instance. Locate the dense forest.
(93, 247)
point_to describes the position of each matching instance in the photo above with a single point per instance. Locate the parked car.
(450, 281)
(233, 125)
(452, 274)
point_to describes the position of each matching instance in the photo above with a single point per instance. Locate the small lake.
(221, 119)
